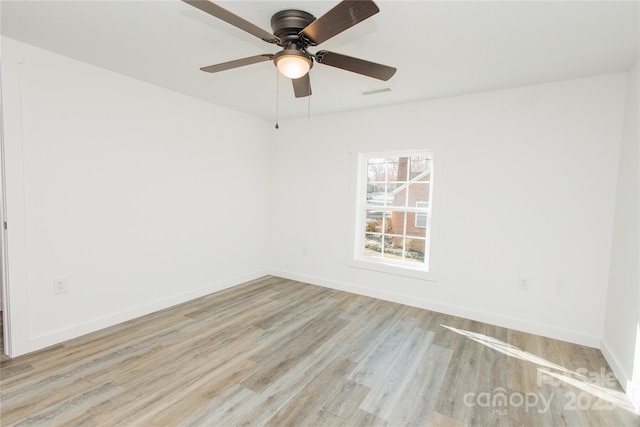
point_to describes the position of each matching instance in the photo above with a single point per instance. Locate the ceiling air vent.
(376, 91)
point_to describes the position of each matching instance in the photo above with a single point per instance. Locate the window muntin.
(394, 214)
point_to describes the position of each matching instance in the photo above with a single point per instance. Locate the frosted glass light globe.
(293, 66)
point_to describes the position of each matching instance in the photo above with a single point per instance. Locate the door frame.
(4, 275)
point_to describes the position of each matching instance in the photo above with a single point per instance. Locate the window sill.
(394, 269)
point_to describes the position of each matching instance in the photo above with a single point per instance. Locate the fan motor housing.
(287, 24)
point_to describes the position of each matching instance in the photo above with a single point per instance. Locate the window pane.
(420, 220)
(418, 165)
(373, 245)
(393, 248)
(398, 169)
(376, 193)
(396, 225)
(376, 170)
(414, 250)
(416, 224)
(374, 222)
(418, 192)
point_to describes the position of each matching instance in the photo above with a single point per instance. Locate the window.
(393, 210)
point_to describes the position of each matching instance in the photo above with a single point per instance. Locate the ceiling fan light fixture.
(296, 30)
(293, 64)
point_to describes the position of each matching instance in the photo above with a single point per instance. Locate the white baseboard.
(92, 325)
(623, 377)
(465, 312)
(612, 360)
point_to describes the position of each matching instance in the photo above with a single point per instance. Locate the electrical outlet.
(60, 285)
(523, 283)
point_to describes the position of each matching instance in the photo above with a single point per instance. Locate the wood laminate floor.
(283, 353)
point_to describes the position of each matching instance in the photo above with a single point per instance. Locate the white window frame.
(426, 271)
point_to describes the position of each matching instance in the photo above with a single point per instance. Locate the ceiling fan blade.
(344, 15)
(355, 65)
(237, 63)
(230, 18)
(302, 86)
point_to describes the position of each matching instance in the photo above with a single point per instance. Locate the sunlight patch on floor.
(593, 383)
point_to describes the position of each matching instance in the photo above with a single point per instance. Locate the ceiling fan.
(295, 31)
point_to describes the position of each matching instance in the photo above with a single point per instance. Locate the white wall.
(145, 198)
(527, 187)
(142, 197)
(622, 321)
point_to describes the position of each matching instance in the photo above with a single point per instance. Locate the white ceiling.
(441, 48)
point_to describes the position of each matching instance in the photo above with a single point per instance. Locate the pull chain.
(277, 99)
